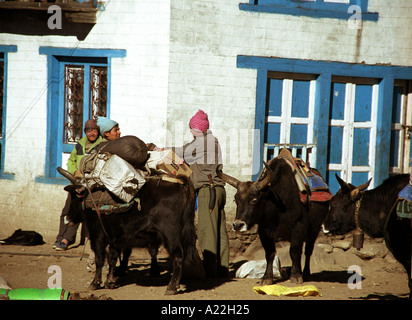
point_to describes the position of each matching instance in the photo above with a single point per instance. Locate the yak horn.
(356, 193)
(67, 175)
(364, 186)
(228, 179)
(260, 184)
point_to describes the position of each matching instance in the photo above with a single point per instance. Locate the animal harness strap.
(96, 207)
(357, 208)
(286, 155)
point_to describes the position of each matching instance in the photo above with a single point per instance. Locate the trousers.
(212, 233)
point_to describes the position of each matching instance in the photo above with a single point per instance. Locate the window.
(85, 96)
(4, 50)
(289, 113)
(79, 89)
(338, 9)
(351, 120)
(352, 129)
(401, 128)
(76, 110)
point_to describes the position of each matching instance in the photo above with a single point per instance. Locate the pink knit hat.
(199, 121)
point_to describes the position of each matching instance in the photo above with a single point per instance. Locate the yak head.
(341, 216)
(247, 198)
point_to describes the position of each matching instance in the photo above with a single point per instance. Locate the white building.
(334, 73)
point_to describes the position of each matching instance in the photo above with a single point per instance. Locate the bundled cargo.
(113, 173)
(129, 148)
(168, 162)
(120, 178)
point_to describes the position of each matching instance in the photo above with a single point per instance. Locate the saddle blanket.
(404, 209)
(406, 192)
(310, 182)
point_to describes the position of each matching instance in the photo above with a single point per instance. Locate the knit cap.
(199, 121)
(105, 124)
(90, 124)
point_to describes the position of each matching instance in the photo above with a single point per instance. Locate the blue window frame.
(329, 78)
(72, 74)
(338, 9)
(4, 50)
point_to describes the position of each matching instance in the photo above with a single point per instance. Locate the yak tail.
(192, 264)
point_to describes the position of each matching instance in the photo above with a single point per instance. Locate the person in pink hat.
(204, 155)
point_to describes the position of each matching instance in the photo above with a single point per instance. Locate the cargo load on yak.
(118, 169)
(116, 166)
(129, 148)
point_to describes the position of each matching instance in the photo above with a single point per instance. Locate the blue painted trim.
(53, 153)
(56, 58)
(383, 130)
(260, 120)
(5, 50)
(317, 67)
(48, 180)
(77, 52)
(325, 70)
(8, 48)
(316, 9)
(321, 121)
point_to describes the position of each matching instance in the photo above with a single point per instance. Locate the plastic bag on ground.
(255, 269)
(277, 290)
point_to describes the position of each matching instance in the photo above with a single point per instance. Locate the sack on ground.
(255, 269)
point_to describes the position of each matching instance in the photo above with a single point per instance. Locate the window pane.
(299, 133)
(338, 101)
(397, 104)
(335, 145)
(73, 103)
(300, 99)
(275, 97)
(98, 91)
(361, 140)
(363, 102)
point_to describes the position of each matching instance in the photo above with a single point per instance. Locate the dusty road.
(382, 277)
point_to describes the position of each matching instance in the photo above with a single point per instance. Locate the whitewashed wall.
(138, 103)
(208, 35)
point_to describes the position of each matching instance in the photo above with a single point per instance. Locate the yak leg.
(176, 252)
(124, 261)
(308, 253)
(295, 252)
(154, 265)
(100, 255)
(268, 244)
(113, 255)
(317, 213)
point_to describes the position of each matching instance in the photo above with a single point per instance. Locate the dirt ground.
(383, 278)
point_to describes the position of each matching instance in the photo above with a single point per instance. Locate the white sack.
(155, 158)
(255, 269)
(120, 178)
